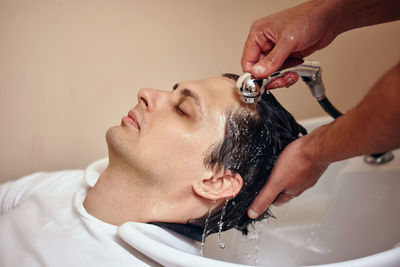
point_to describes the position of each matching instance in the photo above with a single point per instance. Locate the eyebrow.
(189, 93)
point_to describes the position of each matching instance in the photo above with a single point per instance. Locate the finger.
(285, 81)
(277, 83)
(282, 199)
(291, 78)
(273, 60)
(251, 54)
(253, 49)
(263, 200)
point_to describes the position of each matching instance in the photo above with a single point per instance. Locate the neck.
(116, 199)
(119, 196)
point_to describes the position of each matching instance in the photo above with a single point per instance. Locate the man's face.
(166, 136)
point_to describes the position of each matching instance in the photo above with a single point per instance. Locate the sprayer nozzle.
(250, 90)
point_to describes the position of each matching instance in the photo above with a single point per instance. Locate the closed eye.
(180, 111)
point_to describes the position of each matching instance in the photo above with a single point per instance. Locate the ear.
(221, 185)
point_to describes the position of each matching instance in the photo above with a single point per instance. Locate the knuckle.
(259, 23)
(257, 37)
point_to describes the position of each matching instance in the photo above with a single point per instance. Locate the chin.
(116, 141)
(112, 134)
(119, 145)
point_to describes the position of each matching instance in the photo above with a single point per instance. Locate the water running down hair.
(253, 140)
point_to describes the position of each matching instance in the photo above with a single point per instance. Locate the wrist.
(314, 144)
(333, 12)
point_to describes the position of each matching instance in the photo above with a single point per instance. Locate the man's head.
(192, 148)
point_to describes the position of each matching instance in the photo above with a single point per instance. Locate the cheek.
(175, 145)
(174, 141)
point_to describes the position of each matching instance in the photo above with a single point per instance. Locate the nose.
(148, 98)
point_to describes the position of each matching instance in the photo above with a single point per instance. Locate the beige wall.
(71, 69)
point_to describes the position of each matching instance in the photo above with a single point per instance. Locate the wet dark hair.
(253, 140)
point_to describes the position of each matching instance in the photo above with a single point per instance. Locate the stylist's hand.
(295, 32)
(296, 170)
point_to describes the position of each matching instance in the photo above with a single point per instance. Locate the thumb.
(273, 60)
(263, 200)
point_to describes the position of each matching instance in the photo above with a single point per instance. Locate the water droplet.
(203, 237)
(221, 224)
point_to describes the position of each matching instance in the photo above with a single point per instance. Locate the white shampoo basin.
(350, 218)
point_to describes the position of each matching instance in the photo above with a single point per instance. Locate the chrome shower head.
(250, 89)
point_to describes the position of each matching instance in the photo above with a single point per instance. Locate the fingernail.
(258, 70)
(252, 214)
(290, 82)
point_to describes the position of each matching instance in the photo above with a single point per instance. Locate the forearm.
(370, 127)
(351, 14)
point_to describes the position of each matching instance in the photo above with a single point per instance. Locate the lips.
(134, 119)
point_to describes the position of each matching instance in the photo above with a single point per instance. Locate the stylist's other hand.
(295, 32)
(296, 170)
